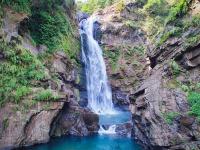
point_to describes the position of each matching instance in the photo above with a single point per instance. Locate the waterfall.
(98, 89)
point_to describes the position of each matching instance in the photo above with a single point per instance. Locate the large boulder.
(74, 120)
(19, 126)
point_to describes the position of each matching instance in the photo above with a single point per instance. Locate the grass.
(170, 116)
(45, 95)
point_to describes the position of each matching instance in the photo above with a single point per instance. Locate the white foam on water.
(110, 130)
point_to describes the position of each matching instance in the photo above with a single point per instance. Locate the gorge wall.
(154, 68)
(39, 71)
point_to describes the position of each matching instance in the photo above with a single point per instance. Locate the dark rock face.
(74, 120)
(191, 58)
(187, 146)
(81, 16)
(124, 129)
(120, 99)
(97, 31)
(151, 103)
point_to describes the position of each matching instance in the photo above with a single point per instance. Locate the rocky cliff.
(39, 71)
(153, 64)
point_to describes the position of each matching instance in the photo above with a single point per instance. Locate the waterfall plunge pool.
(96, 142)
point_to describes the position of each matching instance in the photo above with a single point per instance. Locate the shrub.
(156, 7)
(185, 88)
(48, 28)
(18, 5)
(18, 72)
(194, 100)
(175, 31)
(175, 68)
(177, 10)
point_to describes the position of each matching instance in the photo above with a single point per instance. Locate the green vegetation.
(178, 9)
(175, 68)
(18, 72)
(170, 116)
(48, 24)
(45, 95)
(194, 100)
(135, 50)
(21, 92)
(131, 24)
(48, 28)
(113, 57)
(23, 6)
(119, 6)
(93, 5)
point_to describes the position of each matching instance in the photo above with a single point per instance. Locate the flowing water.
(99, 101)
(98, 89)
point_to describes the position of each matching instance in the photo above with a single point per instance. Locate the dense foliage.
(22, 72)
(19, 71)
(17, 5)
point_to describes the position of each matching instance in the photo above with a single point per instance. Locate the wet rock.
(124, 129)
(97, 34)
(105, 127)
(82, 16)
(120, 99)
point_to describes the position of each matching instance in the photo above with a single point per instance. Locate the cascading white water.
(110, 130)
(98, 89)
